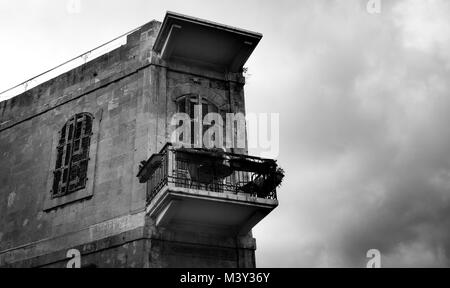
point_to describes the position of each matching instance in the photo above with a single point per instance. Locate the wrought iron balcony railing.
(210, 170)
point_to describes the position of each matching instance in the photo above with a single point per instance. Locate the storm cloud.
(364, 137)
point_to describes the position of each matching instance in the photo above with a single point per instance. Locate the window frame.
(72, 155)
(87, 191)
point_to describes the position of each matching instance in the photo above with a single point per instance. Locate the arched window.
(186, 104)
(72, 155)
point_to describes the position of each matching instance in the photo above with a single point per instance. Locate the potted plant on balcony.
(264, 184)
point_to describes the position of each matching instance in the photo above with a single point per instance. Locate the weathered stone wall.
(112, 88)
(183, 247)
(122, 250)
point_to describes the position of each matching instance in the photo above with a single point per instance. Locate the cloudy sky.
(364, 105)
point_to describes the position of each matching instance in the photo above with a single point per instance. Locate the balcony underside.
(216, 212)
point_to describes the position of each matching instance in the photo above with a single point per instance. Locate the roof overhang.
(201, 41)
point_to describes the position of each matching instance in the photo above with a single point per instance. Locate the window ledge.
(53, 203)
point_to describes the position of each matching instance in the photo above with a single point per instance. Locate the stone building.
(87, 164)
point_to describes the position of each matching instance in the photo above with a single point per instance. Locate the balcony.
(209, 189)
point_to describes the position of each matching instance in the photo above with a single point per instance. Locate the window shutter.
(72, 155)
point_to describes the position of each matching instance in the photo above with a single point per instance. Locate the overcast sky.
(364, 109)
